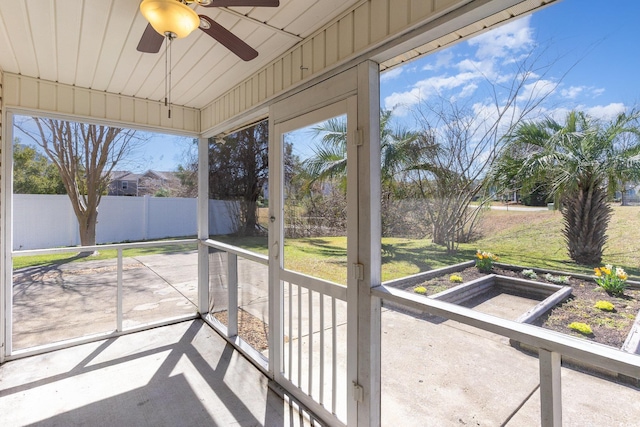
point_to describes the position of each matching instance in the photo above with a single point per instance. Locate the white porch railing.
(311, 361)
(551, 346)
(314, 343)
(119, 319)
(230, 282)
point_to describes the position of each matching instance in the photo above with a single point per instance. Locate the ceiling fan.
(175, 19)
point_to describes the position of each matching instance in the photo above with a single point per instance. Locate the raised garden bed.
(614, 328)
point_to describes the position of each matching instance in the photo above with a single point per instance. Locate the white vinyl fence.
(46, 221)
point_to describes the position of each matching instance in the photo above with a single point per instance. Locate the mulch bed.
(251, 329)
(609, 328)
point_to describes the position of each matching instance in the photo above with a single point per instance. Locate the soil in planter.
(609, 328)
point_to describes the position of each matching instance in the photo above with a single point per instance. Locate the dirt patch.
(609, 328)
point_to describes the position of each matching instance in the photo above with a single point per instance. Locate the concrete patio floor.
(434, 372)
(179, 375)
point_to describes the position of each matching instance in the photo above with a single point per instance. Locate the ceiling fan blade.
(243, 3)
(229, 40)
(151, 41)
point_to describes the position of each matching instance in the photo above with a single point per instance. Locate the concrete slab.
(442, 374)
(435, 372)
(85, 291)
(439, 375)
(179, 375)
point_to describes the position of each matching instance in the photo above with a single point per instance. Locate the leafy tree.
(85, 155)
(584, 161)
(162, 192)
(188, 176)
(238, 170)
(33, 173)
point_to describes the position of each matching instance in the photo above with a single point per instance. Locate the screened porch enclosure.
(210, 332)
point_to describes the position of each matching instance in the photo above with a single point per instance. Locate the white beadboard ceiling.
(92, 44)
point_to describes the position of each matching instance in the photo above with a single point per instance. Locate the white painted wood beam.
(203, 225)
(550, 389)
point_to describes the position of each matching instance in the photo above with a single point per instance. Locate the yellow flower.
(597, 272)
(621, 274)
(606, 270)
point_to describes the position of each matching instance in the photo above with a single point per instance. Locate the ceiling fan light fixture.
(170, 16)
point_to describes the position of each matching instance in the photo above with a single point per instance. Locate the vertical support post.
(119, 291)
(550, 388)
(6, 237)
(232, 281)
(276, 228)
(203, 226)
(364, 251)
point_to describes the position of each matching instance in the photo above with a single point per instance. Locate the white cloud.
(601, 112)
(605, 112)
(536, 90)
(443, 60)
(424, 89)
(468, 90)
(572, 92)
(505, 40)
(402, 102)
(392, 74)
(484, 68)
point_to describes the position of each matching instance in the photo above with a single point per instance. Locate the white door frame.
(356, 93)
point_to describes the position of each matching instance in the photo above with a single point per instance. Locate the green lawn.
(531, 239)
(57, 259)
(535, 239)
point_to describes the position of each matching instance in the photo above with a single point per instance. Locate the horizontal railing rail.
(597, 355)
(119, 260)
(243, 253)
(552, 346)
(112, 246)
(324, 287)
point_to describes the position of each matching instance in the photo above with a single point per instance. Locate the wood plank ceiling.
(92, 44)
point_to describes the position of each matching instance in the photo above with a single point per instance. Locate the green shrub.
(455, 278)
(583, 328)
(604, 306)
(420, 290)
(530, 274)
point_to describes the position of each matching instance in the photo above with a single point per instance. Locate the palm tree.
(583, 162)
(329, 161)
(329, 158)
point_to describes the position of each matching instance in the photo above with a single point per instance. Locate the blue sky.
(590, 46)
